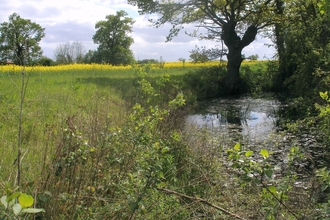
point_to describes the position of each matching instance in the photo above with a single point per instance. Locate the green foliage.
(92, 56)
(45, 61)
(305, 52)
(324, 118)
(253, 57)
(324, 109)
(17, 204)
(112, 37)
(198, 55)
(324, 178)
(323, 174)
(324, 8)
(147, 61)
(256, 78)
(154, 91)
(203, 83)
(19, 40)
(259, 170)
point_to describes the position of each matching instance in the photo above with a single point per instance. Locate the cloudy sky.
(74, 20)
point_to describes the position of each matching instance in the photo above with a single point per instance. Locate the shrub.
(204, 82)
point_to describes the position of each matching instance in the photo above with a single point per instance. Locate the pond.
(254, 118)
(253, 122)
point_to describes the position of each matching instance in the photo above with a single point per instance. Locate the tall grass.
(51, 97)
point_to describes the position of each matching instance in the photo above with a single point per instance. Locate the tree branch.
(167, 191)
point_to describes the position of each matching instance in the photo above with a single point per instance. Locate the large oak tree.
(235, 22)
(19, 40)
(113, 38)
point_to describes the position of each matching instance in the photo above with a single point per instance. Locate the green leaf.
(264, 153)
(3, 201)
(324, 95)
(17, 209)
(13, 196)
(237, 147)
(130, 177)
(249, 153)
(161, 175)
(165, 150)
(161, 185)
(272, 189)
(269, 173)
(25, 200)
(32, 210)
(293, 150)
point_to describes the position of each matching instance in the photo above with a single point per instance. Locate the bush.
(45, 61)
(204, 82)
(147, 61)
(256, 78)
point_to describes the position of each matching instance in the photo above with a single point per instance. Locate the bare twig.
(20, 131)
(279, 200)
(167, 191)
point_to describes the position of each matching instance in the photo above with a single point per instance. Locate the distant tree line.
(70, 53)
(112, 36)
(20, 38)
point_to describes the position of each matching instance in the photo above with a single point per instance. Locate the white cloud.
(74, 20)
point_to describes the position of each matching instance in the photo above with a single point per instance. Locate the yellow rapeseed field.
(104, 67)
(61, 68)
(70, 67)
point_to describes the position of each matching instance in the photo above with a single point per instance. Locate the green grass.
(51, 97)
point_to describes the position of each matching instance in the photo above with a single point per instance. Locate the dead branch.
(167, 191)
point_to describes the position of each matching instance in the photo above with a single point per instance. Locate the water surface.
(243, 119)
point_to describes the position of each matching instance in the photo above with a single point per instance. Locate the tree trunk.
(232, 78)
(280, 45)
(235, 46)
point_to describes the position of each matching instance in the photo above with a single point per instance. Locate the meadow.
(104, 142)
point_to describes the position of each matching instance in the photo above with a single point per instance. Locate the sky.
(74, 21)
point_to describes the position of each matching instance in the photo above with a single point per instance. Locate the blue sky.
(74, 20)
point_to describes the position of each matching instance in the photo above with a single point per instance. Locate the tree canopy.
(302, 39)
(19, 40)
(235, 22)
(113, 38)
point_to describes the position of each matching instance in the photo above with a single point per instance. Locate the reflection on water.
(244, 119)
(255, 123)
